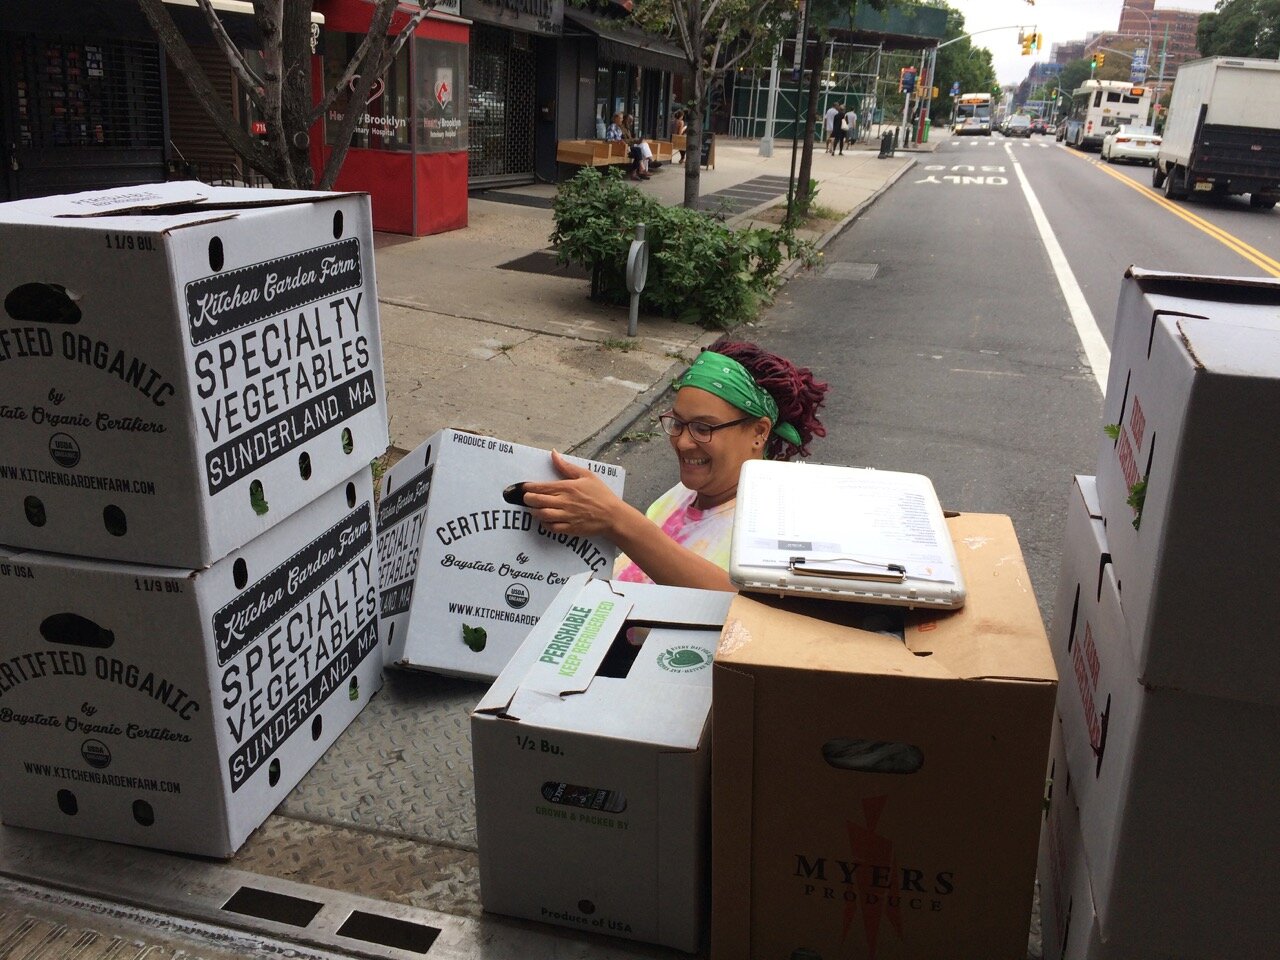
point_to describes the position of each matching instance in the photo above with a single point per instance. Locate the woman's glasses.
(673, 426)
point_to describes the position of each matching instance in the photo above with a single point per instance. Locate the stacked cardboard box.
(879, 795)
(464, 573)
(1164, 634)
(192, 394)
(592, 761)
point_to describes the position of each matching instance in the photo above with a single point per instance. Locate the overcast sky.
(1059, 20)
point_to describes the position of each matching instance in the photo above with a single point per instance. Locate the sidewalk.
(482, 331)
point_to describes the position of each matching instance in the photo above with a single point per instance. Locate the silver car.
(1129, 142)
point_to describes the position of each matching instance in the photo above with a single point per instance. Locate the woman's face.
(711, 469)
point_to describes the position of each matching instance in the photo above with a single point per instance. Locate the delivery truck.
(1223, 133)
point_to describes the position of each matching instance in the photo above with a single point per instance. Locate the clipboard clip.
(881, 572)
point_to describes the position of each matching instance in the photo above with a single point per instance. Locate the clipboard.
(843, 533)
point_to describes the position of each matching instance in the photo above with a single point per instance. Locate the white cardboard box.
(1175, 790)
(175, 354)
(1194, 383)
(453, 555)
(175, 708)
(592, 779)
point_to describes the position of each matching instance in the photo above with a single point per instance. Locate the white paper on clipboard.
(842, 522)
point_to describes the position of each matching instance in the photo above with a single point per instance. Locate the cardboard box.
(455, 558)
(1174, 789)
(817, 852)
(592, 768)
(175, 708)
(184, 366)
(1195, 367)
(1069, 926)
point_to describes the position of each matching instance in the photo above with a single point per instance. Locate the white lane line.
(1095, 346)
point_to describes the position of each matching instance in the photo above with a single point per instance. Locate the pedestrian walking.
(828, 123)
(838, 132)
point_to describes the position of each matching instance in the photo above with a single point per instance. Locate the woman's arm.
(583, 505)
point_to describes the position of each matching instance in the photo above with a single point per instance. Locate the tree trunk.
(219, 113)
(296, 95)
(802, 199)
(694, 111)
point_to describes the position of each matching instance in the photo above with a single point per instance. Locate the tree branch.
(215, 109)
(239, 65)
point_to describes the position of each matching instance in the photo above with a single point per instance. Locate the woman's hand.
(582, 504)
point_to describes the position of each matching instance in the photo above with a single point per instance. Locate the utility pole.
(771, 111)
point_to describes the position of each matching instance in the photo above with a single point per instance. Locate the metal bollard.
(886, 144)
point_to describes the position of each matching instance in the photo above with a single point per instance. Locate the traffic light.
(1101, 58)
(1039, 41)
(1027, 42)
(1093, 62)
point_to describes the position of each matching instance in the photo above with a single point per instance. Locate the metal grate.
(501, 106)
(103, 93)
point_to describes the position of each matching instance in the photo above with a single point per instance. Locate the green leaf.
(1112, 430)
(474, 637)
(1136, 499)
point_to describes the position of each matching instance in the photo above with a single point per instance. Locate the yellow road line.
(1234, 243)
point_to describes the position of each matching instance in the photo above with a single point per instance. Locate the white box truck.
(1223, 132)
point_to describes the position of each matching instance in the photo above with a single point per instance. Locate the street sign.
(955, 88)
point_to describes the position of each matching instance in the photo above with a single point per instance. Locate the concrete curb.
(593, 446)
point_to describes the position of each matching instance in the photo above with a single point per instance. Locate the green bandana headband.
(730, 381)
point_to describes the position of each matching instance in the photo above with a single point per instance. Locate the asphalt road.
(944, 323)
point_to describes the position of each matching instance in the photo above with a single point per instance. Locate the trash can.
(928, 123)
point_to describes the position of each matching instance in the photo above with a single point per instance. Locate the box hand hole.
(143, 813)
(114, 520)
(872, 756)
(74, 630)
(42, 303)
(216, 257)
(258, 498)
(34, 508)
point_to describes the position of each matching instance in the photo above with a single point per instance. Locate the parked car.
(1038, 125)
(1018, 126)
(1051, 129)
(1129, 142)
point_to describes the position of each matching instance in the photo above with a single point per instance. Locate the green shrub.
(700, 271)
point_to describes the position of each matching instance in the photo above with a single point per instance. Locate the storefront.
(512, 91)
(626, 71)
(410, 145)
(89, 100)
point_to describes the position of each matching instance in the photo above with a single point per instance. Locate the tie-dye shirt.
(706, 532)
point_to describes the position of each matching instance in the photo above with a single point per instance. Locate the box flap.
(1086, 488)
(1260, 290)
(998, 634)
(179, 198)
(1230, 349)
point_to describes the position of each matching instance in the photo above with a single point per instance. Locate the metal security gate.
(501, 107)
(83, 113)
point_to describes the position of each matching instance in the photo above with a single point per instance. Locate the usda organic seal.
(684, 659)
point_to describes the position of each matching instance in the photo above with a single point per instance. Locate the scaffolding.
(849, 75)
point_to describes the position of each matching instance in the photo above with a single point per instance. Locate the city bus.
(1099, 106)
(973, 114)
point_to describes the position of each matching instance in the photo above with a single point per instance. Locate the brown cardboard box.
(810, 855)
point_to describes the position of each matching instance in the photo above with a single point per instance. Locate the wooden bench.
(591, 153)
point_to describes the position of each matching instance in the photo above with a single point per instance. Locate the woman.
(679, 129)
(641, 154)
(736, 403)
